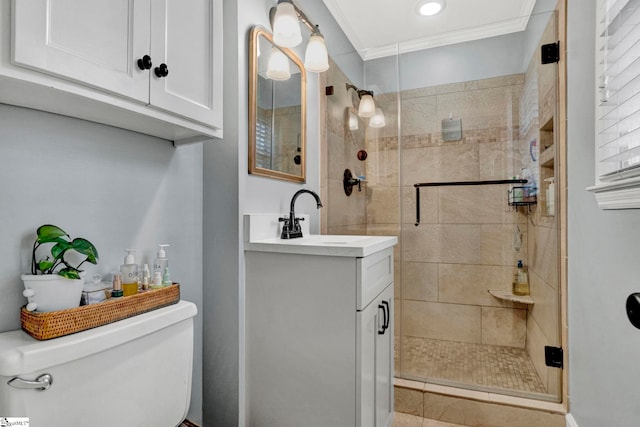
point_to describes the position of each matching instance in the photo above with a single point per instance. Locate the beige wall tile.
(443, 243)
(342, 210)
(441, 163)
(543, 250)
(381, 167)
(451, 322)
(470, 284)
(496, 244)
(357, 229)
(457, 87)
(420, 281)
(497, 160)
(504, 326)
(408, 401)
(429, 205)
(383, 205)
(481, 414)
(535, 349)
(419, 116)
(545, 308)
(418, 93)
(397, 278)
(481, 204)
(406, 420)
(481, 109)
(510, 80)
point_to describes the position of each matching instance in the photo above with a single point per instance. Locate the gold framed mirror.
(277, 110)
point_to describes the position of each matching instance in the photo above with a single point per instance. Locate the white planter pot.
(51, 292)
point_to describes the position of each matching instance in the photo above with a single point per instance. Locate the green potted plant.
(55, 281)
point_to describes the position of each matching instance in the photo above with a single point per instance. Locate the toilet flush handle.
(41, 383)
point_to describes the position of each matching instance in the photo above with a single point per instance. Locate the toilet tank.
(134, 372)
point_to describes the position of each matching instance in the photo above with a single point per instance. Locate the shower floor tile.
(474, 364)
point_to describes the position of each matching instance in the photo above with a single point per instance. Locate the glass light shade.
(377, 120)
(353, 121)
(367, 107)
(430, 7)
(286, 29)
(278, 65)
(316, 58)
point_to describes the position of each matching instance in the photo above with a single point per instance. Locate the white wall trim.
(570, 421)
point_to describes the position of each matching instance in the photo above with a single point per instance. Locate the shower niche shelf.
(508, 296)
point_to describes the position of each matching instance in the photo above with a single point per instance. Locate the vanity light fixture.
(286, 31)
(367, 107)
(278, 65)
(377, 120)
(285, 18)
(430, 7)
(316, 58)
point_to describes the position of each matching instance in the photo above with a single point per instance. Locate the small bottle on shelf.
(521, 282)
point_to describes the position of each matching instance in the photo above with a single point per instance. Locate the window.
(618, 104)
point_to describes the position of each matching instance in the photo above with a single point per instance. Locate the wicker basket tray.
(53, 324)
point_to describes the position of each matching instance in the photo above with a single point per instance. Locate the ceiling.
(376, 27)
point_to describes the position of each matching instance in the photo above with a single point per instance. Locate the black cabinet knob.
(162, 70)
(144, 63)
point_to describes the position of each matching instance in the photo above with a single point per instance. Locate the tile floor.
(406, 420)
(467, 363)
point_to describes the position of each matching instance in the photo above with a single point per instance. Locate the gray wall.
(117, 188)
(229, 192)
(603, 259)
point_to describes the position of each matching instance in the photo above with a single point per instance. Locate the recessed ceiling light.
(430, 7)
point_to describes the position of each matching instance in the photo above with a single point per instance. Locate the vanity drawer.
(373, 274)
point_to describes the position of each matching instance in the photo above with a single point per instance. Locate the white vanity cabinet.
(153, 66)
(319, 331)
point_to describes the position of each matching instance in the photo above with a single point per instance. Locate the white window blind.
(263, 144)
(618, 139)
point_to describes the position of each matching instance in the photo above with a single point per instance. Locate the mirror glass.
(277, 88)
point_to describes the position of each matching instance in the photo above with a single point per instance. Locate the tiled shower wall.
(464, 244)
(339, 147)
(466, 241)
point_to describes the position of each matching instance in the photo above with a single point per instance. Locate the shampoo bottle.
(161, 262)
(129, 271)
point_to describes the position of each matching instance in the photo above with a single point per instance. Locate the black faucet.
(291, 228)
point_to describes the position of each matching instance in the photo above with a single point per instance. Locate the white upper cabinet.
(94, 42)
(182, 39)
(153, 66)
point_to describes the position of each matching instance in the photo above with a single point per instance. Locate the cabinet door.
(366, 331)
(94, 42)
(186, 36)
(374, 354)
(385, 362)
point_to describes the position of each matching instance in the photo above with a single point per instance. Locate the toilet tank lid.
(21, 353)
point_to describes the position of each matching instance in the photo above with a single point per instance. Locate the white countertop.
(262, 231)
(327, 245)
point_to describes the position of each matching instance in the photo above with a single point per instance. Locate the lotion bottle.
(161, 261)
(129, 271)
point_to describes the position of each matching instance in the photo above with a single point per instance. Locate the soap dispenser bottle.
(161, 262)
(129, 272)
(521, 283)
